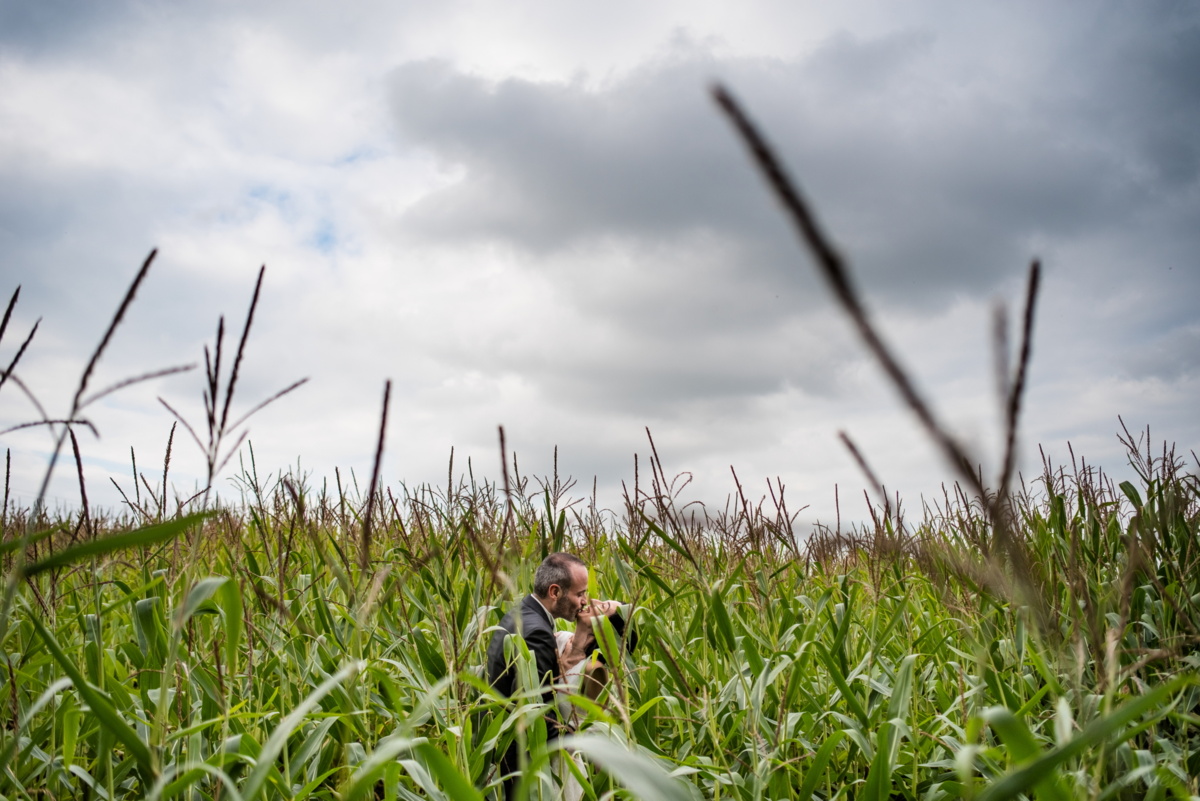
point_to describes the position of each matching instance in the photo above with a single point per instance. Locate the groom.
(560, 588)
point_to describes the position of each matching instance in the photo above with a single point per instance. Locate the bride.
(587, 677)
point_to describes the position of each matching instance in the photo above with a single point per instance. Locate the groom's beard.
(566, 610)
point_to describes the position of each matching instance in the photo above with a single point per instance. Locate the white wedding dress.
(573, 680)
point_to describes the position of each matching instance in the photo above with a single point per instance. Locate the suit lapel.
(535, 606)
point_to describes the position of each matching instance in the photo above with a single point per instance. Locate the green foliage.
(250, 658)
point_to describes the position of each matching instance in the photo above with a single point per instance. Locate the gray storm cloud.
(935, 187)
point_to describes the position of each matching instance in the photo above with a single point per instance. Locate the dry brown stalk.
(87, 518)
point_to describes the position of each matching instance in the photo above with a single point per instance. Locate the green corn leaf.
(641, 774)
(1023, 747)
(646, 707)
(128, 594)
(229, 600)
(902, 689)
(70, 727)
(367, 773)
(879, 777)
(816, 770)
(200, 592)
(274, 745)
(307, 790)
(896, 618)
(670, 541)
(177, 779)
(1104, 729)
(421, 776)
(606, 638)
(46, 697)
(100, 705)
(150, 629)
(1016, 736)
(672, 665)
(645, 570)
(86, 778)
(623, 576)
(16, 542)
(298, 759)
(149, 535)
(224, 592)
(458, 786)
(721, 615)
(839, 680)
(1132, 494)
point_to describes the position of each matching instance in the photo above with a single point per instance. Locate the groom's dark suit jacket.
(538, 630)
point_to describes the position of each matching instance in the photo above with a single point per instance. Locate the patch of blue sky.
(252, 203)
(325, 237)
(364, 153)
(280, 199)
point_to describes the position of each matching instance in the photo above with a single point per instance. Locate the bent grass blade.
(275, 743)
(149, 535)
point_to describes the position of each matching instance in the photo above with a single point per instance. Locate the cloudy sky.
(530, 214)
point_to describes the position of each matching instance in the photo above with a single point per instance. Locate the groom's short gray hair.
(555, 569)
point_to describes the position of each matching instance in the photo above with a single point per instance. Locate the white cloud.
(548, 226)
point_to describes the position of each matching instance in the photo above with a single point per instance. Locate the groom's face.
(571, 599)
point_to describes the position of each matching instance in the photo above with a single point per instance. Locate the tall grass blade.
(148, 535)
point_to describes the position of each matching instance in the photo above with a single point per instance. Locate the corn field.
(249, 653)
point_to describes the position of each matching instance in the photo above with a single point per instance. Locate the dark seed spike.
(136, 491)
(167, 464)
(861, 461)
(112, 327)
(229, 454)
(7, 476)
(237, 359)
(508, 504)
(208, 411)
(1018, 384)
(214, 378)
(12, 302)
(87, 517)
(208, 370)
(20, 351)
